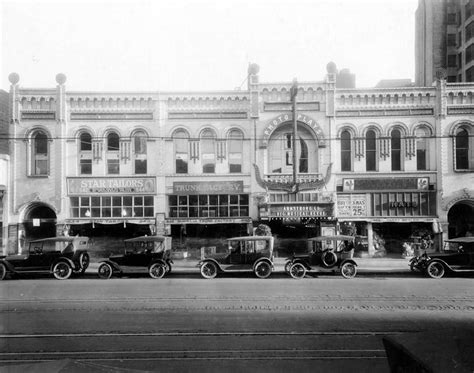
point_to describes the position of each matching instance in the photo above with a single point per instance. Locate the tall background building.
(444, 41)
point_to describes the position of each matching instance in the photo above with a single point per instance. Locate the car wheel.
(348, 270)
(168, 267)
(413, 267)
(62, 270)
(157, 270)
(287, 267)
(208, 270)
(297, 271)
(84, 261)
(3, 271)
(435, 270)
(263, 269)
(329, 258)
(105, 271)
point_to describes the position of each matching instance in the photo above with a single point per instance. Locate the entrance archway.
(461, 219)
(39, 221)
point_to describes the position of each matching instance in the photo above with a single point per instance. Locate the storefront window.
(112, 207)
(208, 206)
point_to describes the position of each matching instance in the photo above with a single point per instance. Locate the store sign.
(394, 183)
(208, 221)
(351, 205)
(111, 185)
(204, 187)
(299, 211)
(273, 125)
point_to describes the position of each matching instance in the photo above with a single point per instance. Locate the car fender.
(8, 265)
(347, 261)
(114, 265)
(302, 262)
(446, 265)
(63, 259)
(262, 260)
(160, 261)
(201, 262)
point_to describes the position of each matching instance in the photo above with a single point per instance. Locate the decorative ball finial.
(14, 78)
(331, 68)
(253, 69)
(60, 78)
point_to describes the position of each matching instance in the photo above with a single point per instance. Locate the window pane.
(85, 166)
(371, 151)
(140, 143)
(113, 166)
(140, 166)
(113, 142)
(462, 150)
(85, 142)
(41, 144)
(396, 150)
(346, 151)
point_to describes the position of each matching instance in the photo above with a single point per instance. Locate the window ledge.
(464, 171)
(39, 176)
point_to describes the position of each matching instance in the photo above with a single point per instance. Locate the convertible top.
(146, 239)
(461, 240)
(250, 238)
(61, 239)
(338, 237)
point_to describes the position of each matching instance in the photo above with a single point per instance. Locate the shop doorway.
(39, 222)
(461, 219)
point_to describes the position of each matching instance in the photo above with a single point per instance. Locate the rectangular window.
(113, 166)
(181, 163)
(112, 207)
(421, 159)
(140, 166)
(470, 74)
(235, 162)
(85, 166)
(208, 206)
(451, 40)
(41, 164)
(452, 60)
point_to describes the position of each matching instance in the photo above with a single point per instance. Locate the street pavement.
(184, 323)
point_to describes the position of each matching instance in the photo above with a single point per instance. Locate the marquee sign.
(301, 118)
(300, 211)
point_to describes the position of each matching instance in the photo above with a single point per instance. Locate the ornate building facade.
(305, 158)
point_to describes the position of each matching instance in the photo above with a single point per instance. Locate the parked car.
(144, 253)
(457, 257)
(60, 256)
(325, 254)
(244, 254)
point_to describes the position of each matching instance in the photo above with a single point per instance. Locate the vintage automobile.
(325, 253)
(144, 253)
(244, 254)
(457, 257)
(60, 256)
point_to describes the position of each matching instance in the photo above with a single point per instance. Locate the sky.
(200, 45)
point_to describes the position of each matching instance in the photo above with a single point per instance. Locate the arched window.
(422, 149)
(139, 152)
(208, 152)
(346, 151)
(85, 150)
(396, 150)
(235, 151)
(113, 161)
(462, 149)
(370, 151)
(40, 154)
(181, 148)
(113, 142)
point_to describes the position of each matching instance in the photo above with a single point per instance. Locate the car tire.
(84, 261)
(329, 259)
(435, 270)
(3, 271)
(105, 271)
(157, 270)
(208, 270)
(348, 270)
(168, 267)
(287, 267)
(297, 271)
(413, 267)
(263, 269)
(62, 270)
